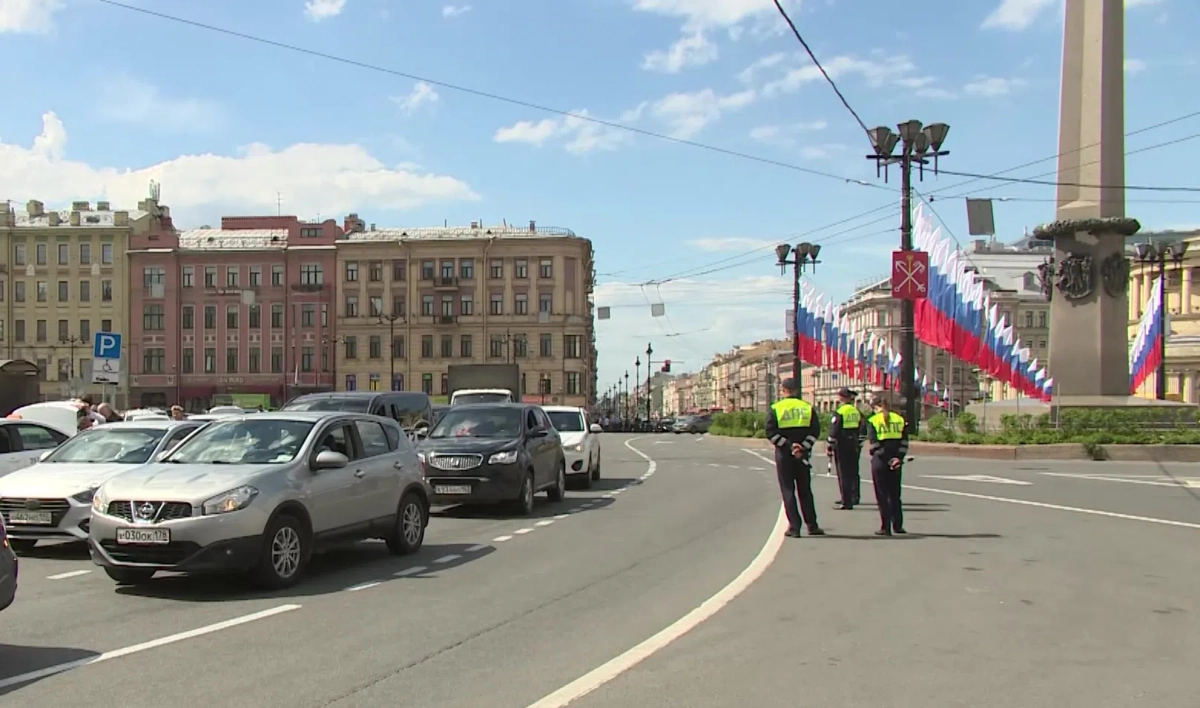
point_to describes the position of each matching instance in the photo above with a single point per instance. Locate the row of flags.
(1146, 353)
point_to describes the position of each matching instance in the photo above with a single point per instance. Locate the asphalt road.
(668, 584)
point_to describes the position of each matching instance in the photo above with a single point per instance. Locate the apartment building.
(413, 301)
(240, 314)
(1183, 342)
(63, 278)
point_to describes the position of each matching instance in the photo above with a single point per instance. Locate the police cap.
(847, 393)
(789, 384)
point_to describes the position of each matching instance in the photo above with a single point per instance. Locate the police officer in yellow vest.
(887, 435)
(794, 428)
(847, 430)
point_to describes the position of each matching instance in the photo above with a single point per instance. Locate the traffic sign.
(910, 275)
(107, 345)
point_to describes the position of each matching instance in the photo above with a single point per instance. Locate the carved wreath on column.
(1114, 272)
(1075, 276)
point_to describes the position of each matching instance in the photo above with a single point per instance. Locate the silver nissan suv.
(260, 494)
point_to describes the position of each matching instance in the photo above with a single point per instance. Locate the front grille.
(171, 553)
(164, 511)
(57, 508)
(455, 462)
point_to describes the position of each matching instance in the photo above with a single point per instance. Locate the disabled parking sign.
(106, 358)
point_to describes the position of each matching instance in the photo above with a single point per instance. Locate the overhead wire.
(1052, 183)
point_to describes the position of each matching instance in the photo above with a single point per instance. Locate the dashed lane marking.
(447, 558)
(501, 539)
(415, 570)
(363, 586)
(522, 532)
(71, 574)
(560, 517)
(476, 548)
(545, 522)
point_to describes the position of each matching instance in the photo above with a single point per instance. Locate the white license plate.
(41, 518)
(452, 489)
(144, 537)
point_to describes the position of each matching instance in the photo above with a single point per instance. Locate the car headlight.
(507, 457)
(99, 500)
(87, 496)
(233, 500)
(575, 448)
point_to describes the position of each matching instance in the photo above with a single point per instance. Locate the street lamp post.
(625, 403)
(391, 322)
(649, 373)
(637, 386)
(920, 145)
(803, 255)
(1161, 254)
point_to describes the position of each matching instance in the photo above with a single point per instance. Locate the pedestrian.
(887, 434)
(847, 430)
(794, 428)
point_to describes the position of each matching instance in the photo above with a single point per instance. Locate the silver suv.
(260, 494)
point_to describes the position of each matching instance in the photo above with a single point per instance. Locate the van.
(411, 409)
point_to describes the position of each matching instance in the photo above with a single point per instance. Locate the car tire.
(559, 491)
(408, 532)
(284, 554)
(22, 546)
(129, 576)
(595, 476)
(525, 502)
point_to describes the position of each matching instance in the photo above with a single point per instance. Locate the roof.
(293, 416)
(143, 424)
(233, 239)
(459, 232)
(87, 219)
(562, 409)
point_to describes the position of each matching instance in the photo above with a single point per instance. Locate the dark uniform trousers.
(846, 459)
(887, 493)
(795, 479)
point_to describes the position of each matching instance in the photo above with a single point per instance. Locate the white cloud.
(692, 49)
(992, 86)
(686, 114)
(422, 94)
(734, 243)
(1018, 15)
(785, 135)
(455, 10)
(577, 134)
(124, 99)
(750, 73)
(876, 73)
(1134, 66)
(325, 177)
(317, 10)
(32, 16)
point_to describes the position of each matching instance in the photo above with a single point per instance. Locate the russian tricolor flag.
(1146, 353)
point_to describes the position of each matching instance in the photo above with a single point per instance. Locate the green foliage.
(1091, 427)
(749, 424)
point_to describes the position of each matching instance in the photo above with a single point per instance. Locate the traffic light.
(667, 366)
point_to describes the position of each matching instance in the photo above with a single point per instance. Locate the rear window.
(566, 421)
(468, 398)
(350, 404)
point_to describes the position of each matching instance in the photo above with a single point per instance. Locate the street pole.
(625, 403)
(391, 320)
(649, 373)
(802, 254)
(1160, 254)
(637, 386)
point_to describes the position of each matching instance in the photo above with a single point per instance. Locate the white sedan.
(30, 431)
(580, 441)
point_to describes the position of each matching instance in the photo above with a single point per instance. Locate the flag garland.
(1146, 353)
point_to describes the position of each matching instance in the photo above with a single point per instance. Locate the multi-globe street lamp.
(802, 255)
(1161, 254)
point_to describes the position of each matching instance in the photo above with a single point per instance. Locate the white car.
(580, 442)
(52, 499)
(23, 441)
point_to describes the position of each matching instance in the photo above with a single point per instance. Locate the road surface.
(668, 584)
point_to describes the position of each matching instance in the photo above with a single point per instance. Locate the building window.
(255, 315)
(447, 306)
(445, 384)
(85, 291)
(64, 254)
(427, 305)
(426, 270)
(306, 359)
(466, 305)
(106, 254)
(187, 277)
(496, 346)
(373, 383)
(277, 276)
(351, 272)
(308, 315)
(64, 330)
(399, 271)
(573, 383)
(1042, 319)
(545, 384)
(546, 345)
(42, 293)
(375, 275)
(85, 330)
(210, 276)
(521, 304)
(310, 233)
(153, 318)
(375, 347)
(19, 291)
(351, 347)
(521, 269)
(256, 276)
(465, 346)
(351, 382)
(496, 270)
(231, 317)
(276, 316)
(398, 347)
(231, 360)
(19, 330)
(232, 276)
(64, 291)
(106, 325)
(85, 254)
(276, 360)
(447, 346)
(939, 375)
(210, 361)
(447, 270)
(426, 346)
(546, 268)
(41, 254)
(545, 302)
(466, 269)
(520, 345)
(19, 254)
(311, 274)
(154, 360)
(188, 364)
(427, 384)
(106, 291)
(254, 360)
(210, 317)
(1028, 318)
(572, 346)
(496, 304)
(398, 382)
(325, 356)
(187, 317)
(375, 303)
(398, 306)
(351, 306)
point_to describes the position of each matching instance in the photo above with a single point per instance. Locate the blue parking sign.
(107, 345)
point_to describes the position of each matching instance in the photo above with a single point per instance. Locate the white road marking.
(986, 478)
(560, 517)
(144, 646)
(663, 442)
(521, 532)
(415, 570)
(1157, 481)
(1045, 505)
(606, 496)
(476, 548)
(501, 539)
(448, 558)
(618, 491)
(714, 464)
(363, 586)
(71, 574)
(546, 522)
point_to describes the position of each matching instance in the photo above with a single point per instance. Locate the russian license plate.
(144, 537)
(40, 518)
(452, 489)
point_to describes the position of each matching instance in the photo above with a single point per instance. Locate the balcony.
(306, 287)
(445, 319)
(445, 282)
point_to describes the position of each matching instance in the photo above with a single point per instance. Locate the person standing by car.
(887, 434)
(846, 433)
(793, 428)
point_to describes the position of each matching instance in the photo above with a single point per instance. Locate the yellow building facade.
(1183, 321)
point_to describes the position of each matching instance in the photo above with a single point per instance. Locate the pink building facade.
(222, 315)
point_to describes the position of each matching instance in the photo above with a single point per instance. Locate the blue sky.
(107, 99)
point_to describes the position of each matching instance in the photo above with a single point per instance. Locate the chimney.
(35, 208)
(81, 206)
(120, 218)
(474, 224)
(54, 218)
(372, 227)
(532, 226)
(102, 206)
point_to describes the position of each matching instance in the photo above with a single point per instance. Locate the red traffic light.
(666, 366)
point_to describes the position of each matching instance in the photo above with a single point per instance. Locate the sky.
(372, 117)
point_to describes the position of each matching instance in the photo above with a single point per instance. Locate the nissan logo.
(33, 504)
(146, 510)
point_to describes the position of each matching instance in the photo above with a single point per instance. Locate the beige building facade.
(1183, 308)
(412, 302)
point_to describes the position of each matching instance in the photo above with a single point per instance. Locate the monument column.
(1089, 309)
(1135, 297)
(1185, 291)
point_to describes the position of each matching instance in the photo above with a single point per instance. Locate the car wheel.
(129, 576)
(559, 491)
(22, 545)
(284, 553)
(525, 502)
(595, 471)
(409, 531)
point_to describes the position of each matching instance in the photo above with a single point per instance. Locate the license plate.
(40, 518)
(144, 537)
(452, 489)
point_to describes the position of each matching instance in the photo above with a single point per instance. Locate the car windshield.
(479, 423)
(566, 421)
(120, 445)
(463, 399)
(248, 441)
(350, 404)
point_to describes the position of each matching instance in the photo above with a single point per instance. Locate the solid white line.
(1159, 481)
(547, 522)
(476, 548)
(415, 570)
(560, 517)
(363, 586)
(447, 559)
(1045, 505)
(64, 576)
(523, 531)
(601, 675)
(606, 496)
(501, 539)
(144, 646)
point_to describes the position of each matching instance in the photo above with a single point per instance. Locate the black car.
(439, 410)
(413, 410)
(494, 453)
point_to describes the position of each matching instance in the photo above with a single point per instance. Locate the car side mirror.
(539, 432)
(595, 428)
(44, 455)
(330, 460)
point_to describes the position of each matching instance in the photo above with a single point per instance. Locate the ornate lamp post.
(1161, 254)
(803, 255)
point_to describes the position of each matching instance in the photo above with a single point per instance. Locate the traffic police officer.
(794, 428)
(887, 435)
(846, 434)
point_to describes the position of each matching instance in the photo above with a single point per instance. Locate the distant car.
(52, 499)
(580, 441)
(494, 453)
(693, 424)
(23, 442)
(664, 425)
(413, 410)
(260, 494)
(8, 570)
